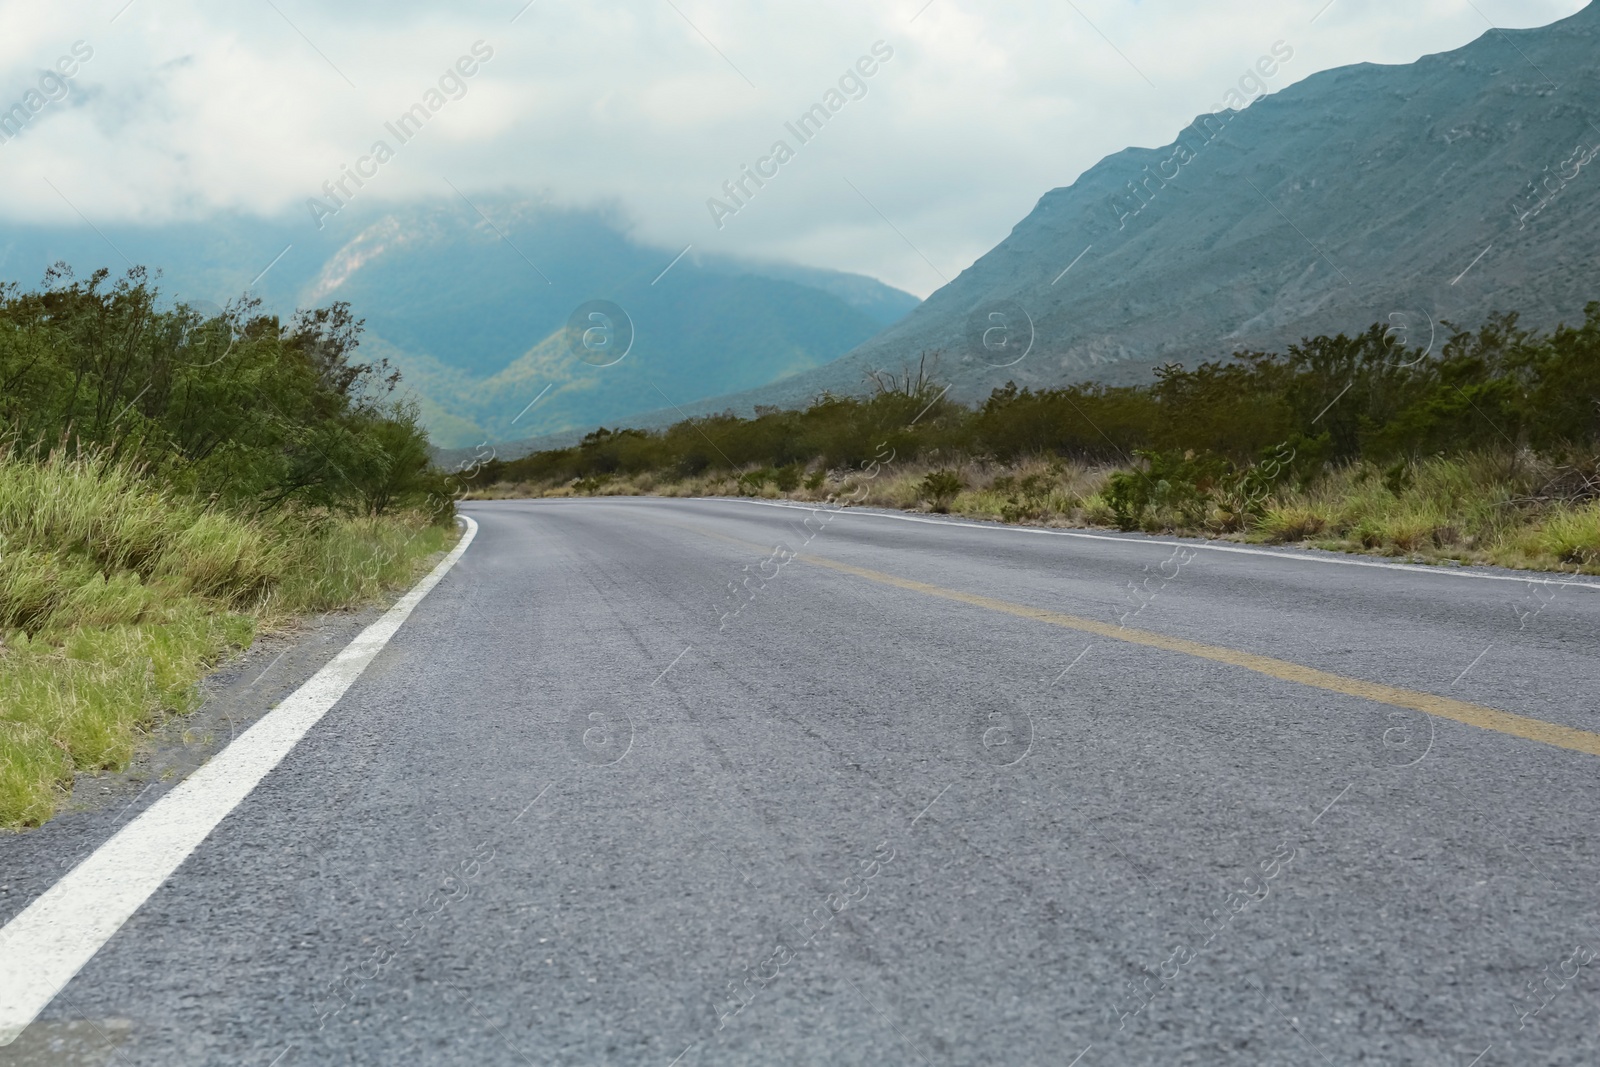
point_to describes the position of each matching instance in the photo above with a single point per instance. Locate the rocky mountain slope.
(1446, 189)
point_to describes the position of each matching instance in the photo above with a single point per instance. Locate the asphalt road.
(629, 787)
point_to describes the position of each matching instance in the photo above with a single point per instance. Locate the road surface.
(670, 782)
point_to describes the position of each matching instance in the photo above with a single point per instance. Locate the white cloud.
(186, 110)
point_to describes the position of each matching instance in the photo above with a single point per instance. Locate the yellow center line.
(1485, 718)
(1479, 715)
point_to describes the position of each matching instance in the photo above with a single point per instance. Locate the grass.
(1503, 507)
(1493, 507)
(117, 595)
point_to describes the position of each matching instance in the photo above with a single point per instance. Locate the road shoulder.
(234, 697)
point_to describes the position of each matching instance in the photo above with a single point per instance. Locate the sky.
(971, 111)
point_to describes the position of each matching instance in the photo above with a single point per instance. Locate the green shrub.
(1327, 401)
(591, 485)
(751, 482)
(1097, 511)
(940, 488)
(1025, 498)
(241, 408)
(1169, 489)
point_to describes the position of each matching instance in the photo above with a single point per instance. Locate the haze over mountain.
(1444, 189)
(472, 307)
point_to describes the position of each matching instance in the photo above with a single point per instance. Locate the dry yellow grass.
(1477, 508)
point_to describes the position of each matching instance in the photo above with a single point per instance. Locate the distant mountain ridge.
(1445, 189)
(472, 307)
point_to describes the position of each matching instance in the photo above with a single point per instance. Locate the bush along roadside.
(1486, 451)
(170, 485)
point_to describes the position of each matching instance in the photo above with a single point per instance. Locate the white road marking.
(1414, 568)
(51, 940)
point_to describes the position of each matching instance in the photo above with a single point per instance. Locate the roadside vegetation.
(1482, 448)
(171, 485)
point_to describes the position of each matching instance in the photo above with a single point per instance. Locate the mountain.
(471, 303)
(474, 311)
(1401, 194)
